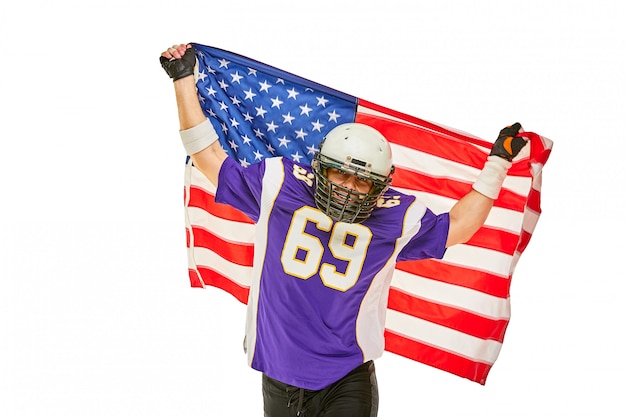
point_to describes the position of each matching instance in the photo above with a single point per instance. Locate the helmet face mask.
(358, 150)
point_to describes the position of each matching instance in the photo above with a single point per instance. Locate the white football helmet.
(355, 149)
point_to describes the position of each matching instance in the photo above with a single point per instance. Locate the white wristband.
(198, 137)
(492, 176)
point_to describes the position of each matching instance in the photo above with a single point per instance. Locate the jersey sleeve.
(430, 240)
(240, 187)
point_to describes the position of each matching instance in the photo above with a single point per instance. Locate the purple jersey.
(319, 289)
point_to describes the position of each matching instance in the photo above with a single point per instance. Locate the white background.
(96, 314)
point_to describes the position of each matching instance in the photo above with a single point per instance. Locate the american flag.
(451, 314)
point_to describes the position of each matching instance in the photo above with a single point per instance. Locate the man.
(327, 239)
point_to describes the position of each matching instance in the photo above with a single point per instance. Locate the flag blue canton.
(260, 111)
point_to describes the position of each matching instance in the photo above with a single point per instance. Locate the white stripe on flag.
(479, 259)
(436, 167)
(208, 259)
(499, 218)
(444, 338)
(443, 293)
(228, 230)
(366, 110)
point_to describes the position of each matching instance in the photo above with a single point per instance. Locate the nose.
(351, 183)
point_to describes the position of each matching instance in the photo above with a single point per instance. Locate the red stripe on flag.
(500, 240)
(429, 355)
(534, 201)
(202, 199)
(238, 253)
(454, 318)
(539, 152)
(413, 180)
(437, 145)
(442, 142)
(215, 279)
(447, 187)
(464, 137)
(194, 279)
(520, 168)
(458, 275)
(523, 242)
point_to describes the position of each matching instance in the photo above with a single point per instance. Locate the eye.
(339, 173)
(364, 182)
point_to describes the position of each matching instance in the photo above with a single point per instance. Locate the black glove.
(180, 68)
(507, 145)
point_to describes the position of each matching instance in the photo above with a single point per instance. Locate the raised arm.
(198, 135)
(471, 211)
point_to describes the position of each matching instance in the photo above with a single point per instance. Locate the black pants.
(354, 395)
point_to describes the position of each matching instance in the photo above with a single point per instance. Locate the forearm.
(470, 212)
(199, 137)
(467, 216)
(190, 113)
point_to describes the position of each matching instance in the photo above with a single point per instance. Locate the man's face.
(350, 181)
